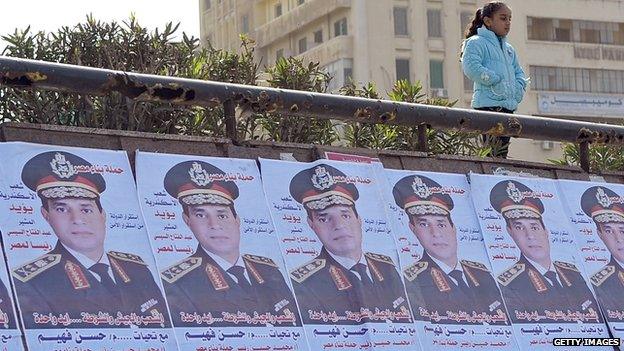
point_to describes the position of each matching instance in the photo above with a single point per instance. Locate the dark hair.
(185, 209)
(311, 212)
(46, 206)
(487, 11)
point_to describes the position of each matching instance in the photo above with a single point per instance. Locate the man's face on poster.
(612, 235)
(216, 227)
(436, 234)
(339, 228)
(531, 238)
(78, 223)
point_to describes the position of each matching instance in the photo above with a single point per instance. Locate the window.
(340, 27)
(466, 20)
(207, 4)
(279, 54)
(318, 36)
(278, 10)
(584, 80)
(245, 24)
(434, 23)
(303, 45)
(340, 71)
(400, 21)
(436, 74)
(403, 69)
(575, 31)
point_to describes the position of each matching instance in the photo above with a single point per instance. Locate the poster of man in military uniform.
(597, 213)
(77, 251)
(338, 247)
(532, 249)
(216, 248)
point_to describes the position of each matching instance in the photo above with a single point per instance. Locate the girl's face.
(500, 22)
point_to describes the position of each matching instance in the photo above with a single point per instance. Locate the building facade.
(573, 50)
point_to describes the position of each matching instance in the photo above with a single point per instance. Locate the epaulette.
(260, 259)
(566, 265)
(33, 268)
(414, 270)
(127, 257)
(180, 269)
(302, 273)
(510, 274)
(473, 264)
(380, 258)
(602, 275)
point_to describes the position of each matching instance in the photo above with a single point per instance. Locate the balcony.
(331, 50)
(297, 18)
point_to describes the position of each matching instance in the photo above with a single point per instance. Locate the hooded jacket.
(491, 62)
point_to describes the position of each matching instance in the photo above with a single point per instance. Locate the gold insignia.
(300, 274)
(380, 258)
(538, 282)
(33, 268)
(127, 257)
(376, 272)
(254, 272)
(180, 269)
(602, 275)
(473, 264)
(216, 278)
(76, 276)
(440, 280)
(414, 270)
(321, 179)
(566, 265)
(61, 167)
(339, 277)
(260, 259)
(562, 275)
(119, 270)
(199, 175)
(471, 276)
(510, 274)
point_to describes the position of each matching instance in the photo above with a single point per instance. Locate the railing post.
(422, 138)
(584, 155)
(229, 112)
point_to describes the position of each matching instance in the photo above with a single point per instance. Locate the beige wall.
(373, 47)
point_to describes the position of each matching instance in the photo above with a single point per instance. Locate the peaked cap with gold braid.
(419, 195)
(322, 186)
(200, 183)
(603, 205)
(513, 200)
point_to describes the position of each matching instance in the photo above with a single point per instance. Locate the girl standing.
(491, 62)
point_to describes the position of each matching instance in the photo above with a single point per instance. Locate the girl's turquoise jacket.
(492, 64)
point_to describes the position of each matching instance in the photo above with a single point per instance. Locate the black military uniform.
(471, 297)
(57, 283)
(524, 288)
(329, 293)
(604, 206)
(6, 308)
(198, 286)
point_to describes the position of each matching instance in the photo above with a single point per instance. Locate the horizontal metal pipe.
(33, 74)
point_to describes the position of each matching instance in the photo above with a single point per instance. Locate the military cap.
(515, 200)
(603, 205)
(60, 174)
(199, 183)
(419, 195)
(322, 186)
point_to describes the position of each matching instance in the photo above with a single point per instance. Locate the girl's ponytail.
(477, 22)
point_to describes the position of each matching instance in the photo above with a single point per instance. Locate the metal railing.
(31, 74)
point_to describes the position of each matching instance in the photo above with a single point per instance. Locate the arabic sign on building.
(569, 104)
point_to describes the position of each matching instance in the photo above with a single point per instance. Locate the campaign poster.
(78, 254)
(454, 296)
(337, 244)
(218, 254)
(596, 211)
(532, 249)
(10, 333)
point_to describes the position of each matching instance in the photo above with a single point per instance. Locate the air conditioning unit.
(439, 93)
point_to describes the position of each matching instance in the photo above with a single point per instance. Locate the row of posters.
(220, 254)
